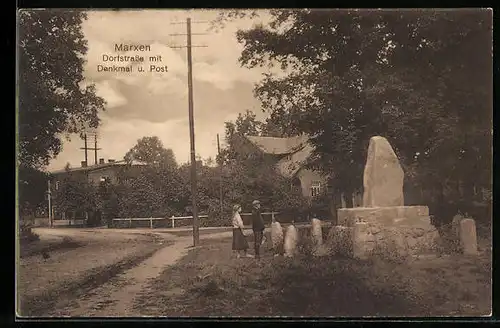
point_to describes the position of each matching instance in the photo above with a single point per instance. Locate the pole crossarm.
(91, 148)
(191, 22)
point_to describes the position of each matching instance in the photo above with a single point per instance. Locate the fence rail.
(173, 218)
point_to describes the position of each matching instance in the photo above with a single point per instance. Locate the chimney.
(111, 160)
(84, 163)
(101, 160)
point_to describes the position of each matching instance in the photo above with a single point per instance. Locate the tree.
(248, 178)
(32, 187)
(158, 190)
(273, 127)
(243, 181)
(75, 195)
(150, 150)
(51, 98)
(420, 78)
(245, 125)
(141, 198)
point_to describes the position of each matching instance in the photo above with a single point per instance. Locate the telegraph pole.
(220, 175)
(50, 205)
(95, 149)
(189, 46)
(85, 139)
(86, 148)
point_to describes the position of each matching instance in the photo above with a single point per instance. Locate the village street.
(99, 250)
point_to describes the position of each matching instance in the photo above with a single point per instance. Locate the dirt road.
(116, 296)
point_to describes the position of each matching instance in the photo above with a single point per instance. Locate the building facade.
(289, 156)
(111, 172)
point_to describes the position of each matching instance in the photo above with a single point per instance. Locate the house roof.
(279, 146)
(97, 167)
(298, 147)
(290, 167)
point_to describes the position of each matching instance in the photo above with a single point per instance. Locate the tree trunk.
(467, 201)
(342, 200)
(335, 203)
(348, 199)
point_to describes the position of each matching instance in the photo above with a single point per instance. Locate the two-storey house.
(111, 171)
(289, 156)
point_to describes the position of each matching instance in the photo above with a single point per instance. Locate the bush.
(448, 239)
(305, 245)
(339, 241)
(390, 250)
(26, 234)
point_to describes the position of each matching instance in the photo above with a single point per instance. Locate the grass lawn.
(209, 282)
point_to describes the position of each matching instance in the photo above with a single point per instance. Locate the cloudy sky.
(156, 104)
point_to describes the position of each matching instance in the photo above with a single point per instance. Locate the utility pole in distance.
(49, 198)
(220, 174)
(196, 232)
(85, 147)
(95, 149)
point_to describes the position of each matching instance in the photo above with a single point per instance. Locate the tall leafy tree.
(52, 98)
(150, 150)
(246, 124)
(32, 189)
(420, 78)
(158, 189)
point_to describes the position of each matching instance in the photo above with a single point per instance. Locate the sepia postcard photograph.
(266, 163)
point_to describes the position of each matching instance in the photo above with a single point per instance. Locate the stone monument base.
(386, 216)
(393, 232)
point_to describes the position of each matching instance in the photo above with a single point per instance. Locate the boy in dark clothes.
(257, 227)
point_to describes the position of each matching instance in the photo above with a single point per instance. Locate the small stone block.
(468, 237)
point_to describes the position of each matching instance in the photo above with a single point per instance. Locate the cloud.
(156, 103)
(106, 91)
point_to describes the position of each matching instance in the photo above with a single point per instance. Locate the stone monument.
(383, 176)
(384, 220)
(277, 237)
(316, 233)
(468, 237)
(291, 238)
(319, 249)
(464, 235)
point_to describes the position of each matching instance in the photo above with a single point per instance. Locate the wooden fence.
(174, 218)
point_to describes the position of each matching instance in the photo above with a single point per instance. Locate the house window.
(315, 188)
(57, 185)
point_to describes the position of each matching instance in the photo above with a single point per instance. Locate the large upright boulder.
(383, 176)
